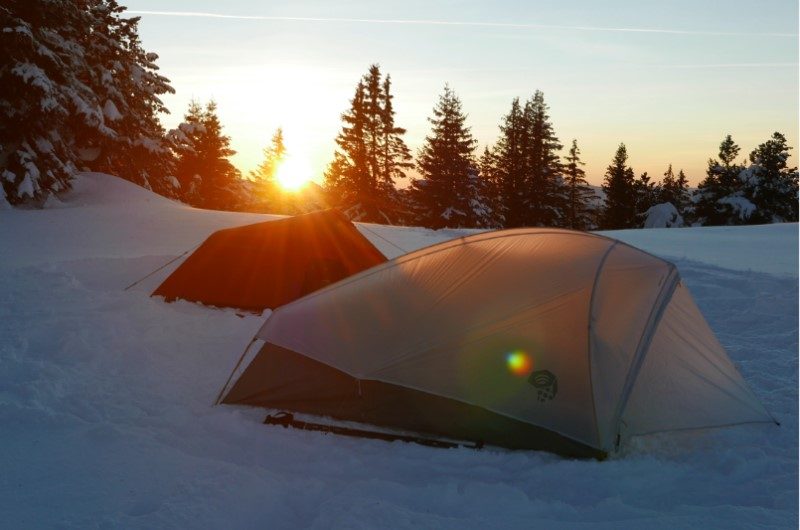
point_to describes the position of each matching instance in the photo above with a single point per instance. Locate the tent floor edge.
(286, 419)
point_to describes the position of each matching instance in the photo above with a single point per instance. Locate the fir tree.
(713, 198)
(579, 212)
(266, 187)
(646, 195)
(511, 168)
(126, 83)
(371, 154)
(208, 178)
(39, 76)
(446, 188)
(78, 92)
(395, 156)
(675, 190)
(546, 197)
(487, 167)
(527, 168)
(619, 210)
(770, 184)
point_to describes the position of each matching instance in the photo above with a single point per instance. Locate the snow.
(33, 75)
(4, 204)
(663, 215)
(106, 397)
(52, 201)
(26, 186)
(89, 154)
(110, 111)
(771, 249)
(741, 205)
(44, 145)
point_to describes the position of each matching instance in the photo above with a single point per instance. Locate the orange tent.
(266, 265)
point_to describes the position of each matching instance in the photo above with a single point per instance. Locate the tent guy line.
(423, 22)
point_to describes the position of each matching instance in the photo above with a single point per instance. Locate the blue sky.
(669, 79)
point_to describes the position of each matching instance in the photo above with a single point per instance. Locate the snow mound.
(663, 215)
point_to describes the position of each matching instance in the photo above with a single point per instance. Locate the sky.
(669, 79)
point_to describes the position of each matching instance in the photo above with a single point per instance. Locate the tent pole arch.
(664, 297)
(590, 333)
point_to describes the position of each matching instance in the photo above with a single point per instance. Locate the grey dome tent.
(529, 338)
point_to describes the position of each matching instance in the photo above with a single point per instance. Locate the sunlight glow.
(294, 173)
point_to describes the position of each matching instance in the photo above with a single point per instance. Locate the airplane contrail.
(423, 22)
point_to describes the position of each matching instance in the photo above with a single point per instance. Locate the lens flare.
(519, 363)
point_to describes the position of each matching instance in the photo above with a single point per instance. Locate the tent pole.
(238, 363)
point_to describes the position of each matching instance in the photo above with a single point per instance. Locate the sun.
(294, 173)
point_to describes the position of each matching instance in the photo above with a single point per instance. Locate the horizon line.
(424, 22)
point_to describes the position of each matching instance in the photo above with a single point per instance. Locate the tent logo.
(546, 384)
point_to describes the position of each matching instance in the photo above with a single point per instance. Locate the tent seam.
(671, 282)
(589, 338)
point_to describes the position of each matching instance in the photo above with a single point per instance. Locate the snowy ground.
(106, 418)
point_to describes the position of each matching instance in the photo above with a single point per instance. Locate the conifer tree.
(770, 184)
(127, 86)
(546, 197)
(447, 167)
(78, 92)
(208, 178)
(266, 187)
(395, 156)
(487, 168)
(646, 195)
(371, 154)
(511, 167)
(675, 190)
(528, 171)
(579, 212)
(619, 210)
(713, 204)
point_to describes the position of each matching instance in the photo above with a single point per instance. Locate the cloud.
(509, 25)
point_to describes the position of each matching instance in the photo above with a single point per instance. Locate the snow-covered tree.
(675, 190)
(663, 215)
(770, 184)
(78, 91)
(206, 175)
(719, 199)
(449, 187)
(127, 86)
(646, 195)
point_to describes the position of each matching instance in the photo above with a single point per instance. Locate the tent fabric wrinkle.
(528, 338)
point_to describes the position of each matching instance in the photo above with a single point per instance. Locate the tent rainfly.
(530, 339)
(265, 265)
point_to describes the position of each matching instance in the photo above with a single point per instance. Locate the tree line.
(526, 178)
(81, 93)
